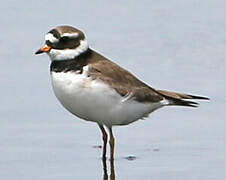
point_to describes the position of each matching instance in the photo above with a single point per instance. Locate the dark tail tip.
(199, 97)
(179, 102)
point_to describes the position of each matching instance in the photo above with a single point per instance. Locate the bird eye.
(64, 38)
(48, 43)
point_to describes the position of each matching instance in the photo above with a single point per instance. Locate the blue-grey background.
(176, 45)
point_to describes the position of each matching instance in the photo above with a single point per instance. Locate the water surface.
(175, 45)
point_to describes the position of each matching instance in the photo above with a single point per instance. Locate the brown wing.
(180, 95)
(125, 84)
(123, 81)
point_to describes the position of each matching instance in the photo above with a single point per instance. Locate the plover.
(96, 89)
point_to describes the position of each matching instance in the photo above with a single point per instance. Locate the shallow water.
(175, 45)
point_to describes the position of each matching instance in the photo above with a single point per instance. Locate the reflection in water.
(112, 169)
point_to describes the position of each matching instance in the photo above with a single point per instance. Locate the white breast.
(93, 100)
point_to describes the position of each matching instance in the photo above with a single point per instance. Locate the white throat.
(67, 54)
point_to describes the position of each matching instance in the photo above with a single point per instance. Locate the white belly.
(93, 100)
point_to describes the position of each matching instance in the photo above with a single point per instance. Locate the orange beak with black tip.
(43, 49)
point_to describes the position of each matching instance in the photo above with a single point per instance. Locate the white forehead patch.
(71, 35)
(51, 38)
(67, 54)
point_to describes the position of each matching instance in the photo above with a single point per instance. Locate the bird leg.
(105, 169)
(112, 143)
(105, 137)
(112, 170)
(112, 175)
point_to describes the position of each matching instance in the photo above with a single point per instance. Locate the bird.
(96, 89)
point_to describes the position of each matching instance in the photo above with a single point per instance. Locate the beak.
(43, 49)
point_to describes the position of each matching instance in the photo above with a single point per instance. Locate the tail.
(180, 99)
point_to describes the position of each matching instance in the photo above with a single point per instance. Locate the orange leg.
(112, 143)
(105, 169)
(112, 168)
(112, 175)
(105, 137)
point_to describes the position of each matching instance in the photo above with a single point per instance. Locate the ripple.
(130, 158)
